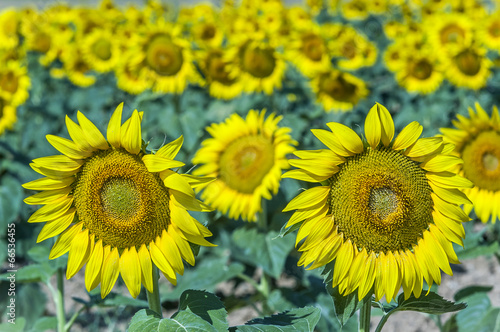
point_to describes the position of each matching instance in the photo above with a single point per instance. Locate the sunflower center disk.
(312, 47)
(481, 161)
(163, 56)
(422, 70)
(338, 88)
(245, 162)
(382, 202)
(259, 62)
(468, 62)
(380, 199)
(9, 82)
(102, 49)
(120, 198)
(119, 201)
(452, 33)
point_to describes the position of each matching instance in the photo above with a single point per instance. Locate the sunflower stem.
(59, 301)
(262, 216)
(154, 297)
(365, 314)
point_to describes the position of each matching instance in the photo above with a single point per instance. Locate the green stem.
(68, 325)
(59, 301)
(246, 278)
(382, 322)
(262, 216)
(365, 314)
(154, 297)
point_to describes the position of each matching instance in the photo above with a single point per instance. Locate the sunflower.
(259, 65)
(477, 142)
(165, 58)
(353, 49)
(247, 157)
(218, 74)
(422, 73)
(387, 211)
(117, 209)
(337, 90)
(14, 82)
(447, 31)
(9, 26)
(7, 115)
(469, 67)
(74, 68)
(489, 31)
(308, 51)
(101, 50)
(130, 79)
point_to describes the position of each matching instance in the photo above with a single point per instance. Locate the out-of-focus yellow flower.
(468, 67)
(14, 83)
(7, 115)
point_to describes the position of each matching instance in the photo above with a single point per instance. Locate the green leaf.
(148, 320)
(478, 305)
(260, 250)
(11, 194)
(471, 290)
(299, 319)
(345, 305)
(430, 304)
(18, 325)
(44, 324)
(490, 322)
(144, 320)
(186, 321)
(205, 305)
(287, 230)
(479, 250)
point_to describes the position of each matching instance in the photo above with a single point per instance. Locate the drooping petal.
(146, 267)
(170, 150)
(155, 163)
(130, 270)
(110, 272)
(78, 254)
(63, 242)
(56, 226)
(94, 266)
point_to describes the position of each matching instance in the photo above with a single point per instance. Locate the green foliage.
(203, 311)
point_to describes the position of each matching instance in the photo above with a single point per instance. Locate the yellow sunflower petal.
(130, 270)
(408, 136)
(131, 137)
(155, 163)
(160, 260)
(51, 211)
(331, 141)
(170, 150)
(387, 125)
(440, 163)
(171, 251)
(56, 226)
(308, 198)
(77, 135)
(177, 182)
(67, 147)
(49, 184)
(114, 127)
(58, 162)
(349, 139)
(92, 134)
(45, 197)
(78, 253)
(63, 242)
(94, 266)
(373, 127)
(110, 272)
(146, 267)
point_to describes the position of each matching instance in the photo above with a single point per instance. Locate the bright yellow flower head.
(247, 157)
(477, 142)
(387, 210)
(7, 115)
(117, 209)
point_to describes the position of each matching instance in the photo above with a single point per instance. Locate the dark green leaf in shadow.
(430, 304)
(205, 305)
(299, 319)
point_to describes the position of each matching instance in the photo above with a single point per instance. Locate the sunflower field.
(250, 165)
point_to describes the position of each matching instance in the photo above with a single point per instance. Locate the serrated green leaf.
(430, 304)
(299, 319)
(260, 250)
(207, 306)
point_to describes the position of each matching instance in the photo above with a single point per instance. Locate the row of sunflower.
(246, 48)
